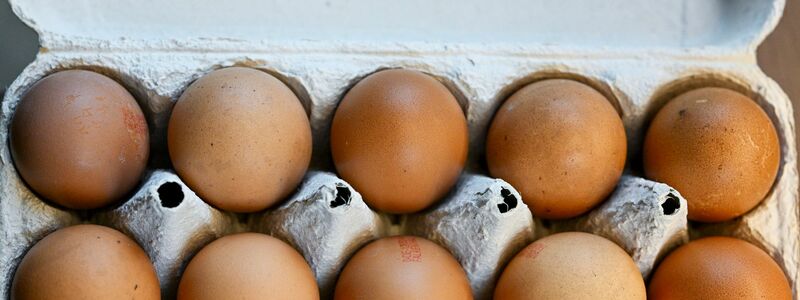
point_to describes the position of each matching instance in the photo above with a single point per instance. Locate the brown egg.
(718, 148)
(79, 139)
(85, 262)
(240, 139)
(718, 268)
(571, 265)
(402, 267)
(400, 138)
(561, 144)
(248, 266)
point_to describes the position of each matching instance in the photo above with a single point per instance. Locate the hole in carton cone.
(342, 197)
(671, 205)
(170, 194)
(509, 201)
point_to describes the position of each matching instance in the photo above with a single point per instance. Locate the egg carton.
(638, 54)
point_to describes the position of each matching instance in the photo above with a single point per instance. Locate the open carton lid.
(713, 28)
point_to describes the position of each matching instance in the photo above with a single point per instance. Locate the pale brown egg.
(79, 139)
(719, 268)
(400, 138)
(571, 265)
(561, 144)
(85, 262)
(240, 139)
(718, 148)
(247, 266)
(402, 267)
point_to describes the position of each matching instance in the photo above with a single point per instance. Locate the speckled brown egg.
(400, 138)
(85, 262)
(718, 148)
(247, 266)
(402, 267)
(240, 139)
(718, 268)
(571, 265)
(561, 144)
(79, 139)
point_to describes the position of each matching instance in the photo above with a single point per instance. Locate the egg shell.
(248, 266)
(79, 139)
(718, 148)
(400, 138)
(240, 139)
(85, 262)
(719, 268)
(571, 265)
(561, 144)
(402, 267)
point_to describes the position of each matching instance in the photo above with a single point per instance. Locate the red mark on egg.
(135, 123)
(409, 249)
(533, 250)
(70, 99)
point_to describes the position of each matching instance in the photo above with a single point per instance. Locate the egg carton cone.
(483, 223)
(327, 221)
(646, 218)
(638, 54)
(171, 224)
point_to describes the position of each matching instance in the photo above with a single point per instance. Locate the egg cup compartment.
(327, 221)
(773, 224)
(24, 217)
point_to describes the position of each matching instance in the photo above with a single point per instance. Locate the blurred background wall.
(18, 45)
